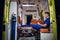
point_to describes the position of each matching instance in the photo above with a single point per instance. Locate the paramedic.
(45, 24)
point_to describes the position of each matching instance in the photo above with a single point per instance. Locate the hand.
(38, 23)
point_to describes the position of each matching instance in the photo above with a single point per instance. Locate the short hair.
(47, 13)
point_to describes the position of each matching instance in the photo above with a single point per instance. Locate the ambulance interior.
(28, 11)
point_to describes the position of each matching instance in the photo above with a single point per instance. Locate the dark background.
(1, 16)
(57, 6)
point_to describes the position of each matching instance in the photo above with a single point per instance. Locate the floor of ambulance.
(43, 36)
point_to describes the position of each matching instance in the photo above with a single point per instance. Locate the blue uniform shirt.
(47, 21)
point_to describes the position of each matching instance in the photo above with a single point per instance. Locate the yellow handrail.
(5, 18)
(53, 18)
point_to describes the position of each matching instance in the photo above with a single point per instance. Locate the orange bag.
(40, 21)
(33, 21)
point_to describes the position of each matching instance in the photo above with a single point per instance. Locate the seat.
(40, 21)
(44, 30)
(33, 21)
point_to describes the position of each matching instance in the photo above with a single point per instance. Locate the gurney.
(28, 33)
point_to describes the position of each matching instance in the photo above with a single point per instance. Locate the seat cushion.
(44, 30)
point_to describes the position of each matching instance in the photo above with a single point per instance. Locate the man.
(45, 24)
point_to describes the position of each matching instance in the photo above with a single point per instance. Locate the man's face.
(45, 15)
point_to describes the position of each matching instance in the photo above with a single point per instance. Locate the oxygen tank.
(13, 26)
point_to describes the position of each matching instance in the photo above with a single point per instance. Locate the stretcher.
(28, 34)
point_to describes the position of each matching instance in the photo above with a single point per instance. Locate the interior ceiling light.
(28, 5)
